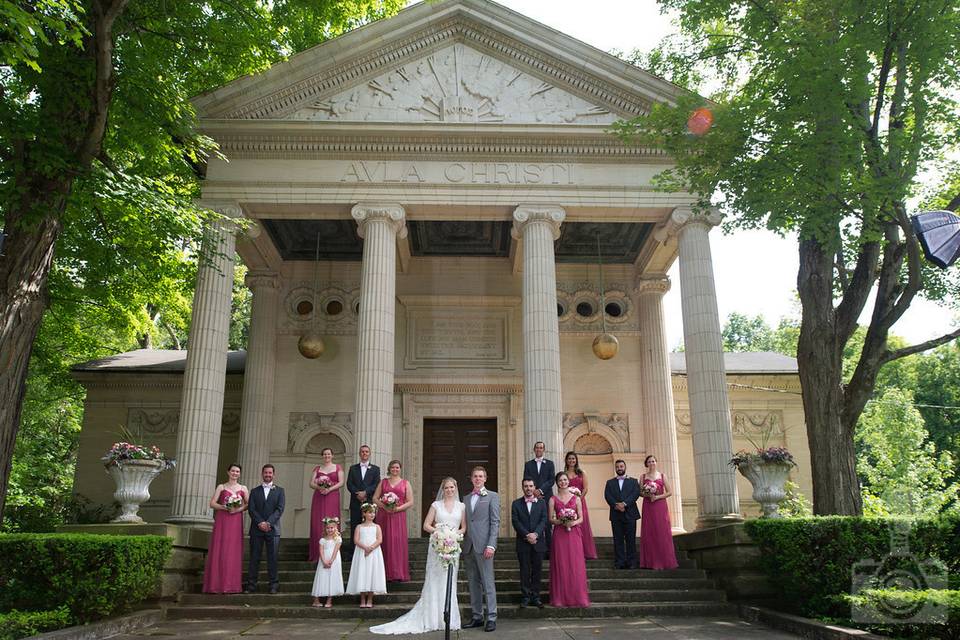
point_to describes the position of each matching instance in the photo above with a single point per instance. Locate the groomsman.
(622, 493)
(543, 474)
(362, 481)
(266, 506)
(529, 517)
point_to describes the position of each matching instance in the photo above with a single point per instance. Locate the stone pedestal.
(379, 226)
(656, 388)
(256, 414)
(537, 227)
(709, 405)
(201, 407)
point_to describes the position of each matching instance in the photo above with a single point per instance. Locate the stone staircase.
(680, 592)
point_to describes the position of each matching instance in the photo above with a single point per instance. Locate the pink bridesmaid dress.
(223, 571)
(393, 524)
(589, 548)
(656, 538)
(568, 568)
(323, 506)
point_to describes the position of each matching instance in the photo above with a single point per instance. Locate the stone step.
(509, 573)
(301, 564)
(665, 581)
(411, 597)
(383, 612)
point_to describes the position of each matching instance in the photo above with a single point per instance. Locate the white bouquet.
(446, 542)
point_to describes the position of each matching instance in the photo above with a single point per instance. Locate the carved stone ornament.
(651, 285)
(684, 216)
(592, 443)
(456, 84)
(614, 428)
(305, 425)
(146, 421)
(365, 213)
(752, 424)
(529, 214)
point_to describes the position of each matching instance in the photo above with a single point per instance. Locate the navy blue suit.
(530, 556)
(624, 523)
(267, 510)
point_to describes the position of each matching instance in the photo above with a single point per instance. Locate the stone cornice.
(257, 279)
(527, 214)
(651, 285)
(341, 73)
(305, 140)
(228, 208)
(458, 388)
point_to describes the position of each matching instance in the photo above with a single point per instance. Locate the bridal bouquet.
(323, 480)
(390, 500)
(566, 515)
(446, 542)
(233, 502)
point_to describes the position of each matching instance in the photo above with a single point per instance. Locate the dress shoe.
(538, 604)
(490, 626)
(249, 589)
(475, 622)
(524, 603)
(274, 589)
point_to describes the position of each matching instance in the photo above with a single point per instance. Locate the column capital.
(262, 279)
(393, 214)
(685, 216)
(526, 214)
(228, 208)
(651, 285)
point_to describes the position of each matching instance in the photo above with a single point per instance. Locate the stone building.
(430, 198)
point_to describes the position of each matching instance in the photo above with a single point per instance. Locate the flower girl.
(328, 580)
(367, 573)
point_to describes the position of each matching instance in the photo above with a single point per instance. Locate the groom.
(479, 545)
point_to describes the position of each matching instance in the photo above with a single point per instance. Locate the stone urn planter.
(133, 467)
(768, 480)
(768, 471)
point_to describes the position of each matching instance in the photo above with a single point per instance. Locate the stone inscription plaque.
(458, 338)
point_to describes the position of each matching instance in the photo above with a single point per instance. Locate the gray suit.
(483, 524)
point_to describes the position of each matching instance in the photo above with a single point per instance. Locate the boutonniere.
(483, 492)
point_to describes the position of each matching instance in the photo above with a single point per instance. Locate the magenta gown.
(589, 548)
(323, 506)
(394, 527)
(656, 538)
(568, 569)
(223, 572)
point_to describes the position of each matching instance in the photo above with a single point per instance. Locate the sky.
(755, 271)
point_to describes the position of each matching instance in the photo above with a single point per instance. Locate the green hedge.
(811, 560)
(942, 605)
(93, 576)
(23, 624)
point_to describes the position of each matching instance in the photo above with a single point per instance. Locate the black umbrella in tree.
(939, 234)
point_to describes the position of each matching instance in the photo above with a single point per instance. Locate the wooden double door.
(451, 448)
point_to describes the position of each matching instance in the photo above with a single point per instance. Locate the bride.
(427, 615)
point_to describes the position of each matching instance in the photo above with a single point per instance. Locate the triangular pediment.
(455, 84)
(461, 61)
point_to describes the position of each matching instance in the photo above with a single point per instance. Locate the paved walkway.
(652, 628)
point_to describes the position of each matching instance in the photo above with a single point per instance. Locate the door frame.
(501, 402)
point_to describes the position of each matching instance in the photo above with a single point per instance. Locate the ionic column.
(656, 388)
(256, 413)
(379, 226)
(538, 227)
(709, 406)
(201, 406)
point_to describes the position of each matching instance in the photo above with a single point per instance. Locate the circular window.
(356, 307)
(584, 309)
(614, 309)
(561, 310)
(304, 307)
(334, 308)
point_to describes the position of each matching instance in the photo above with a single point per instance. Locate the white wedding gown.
(427, 614)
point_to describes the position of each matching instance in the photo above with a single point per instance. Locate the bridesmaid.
(326, 499)
(579, 481)
(656, 537)
(223, 572)
(568, 568)
(393, 522)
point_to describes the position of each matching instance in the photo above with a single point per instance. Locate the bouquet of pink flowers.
(446, 542)
(648, 490)
(390, 500)
(566, 515)
(575, 491)
(323, 480)
(235, 501)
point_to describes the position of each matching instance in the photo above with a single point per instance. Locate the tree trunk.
(836, 488)
(23, 280)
